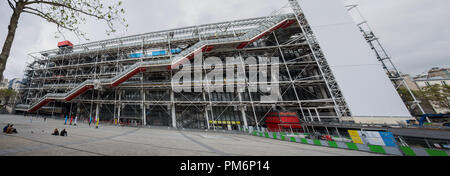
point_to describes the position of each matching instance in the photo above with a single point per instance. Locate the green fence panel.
(407, 151)
(283, 137)
(283, 133)
(432, 152)
(274, 135)
(266, 134)
(304, 141)
(351, 146)
(295, 133)
(293, 139)
(260, 134)
(332, 144)
(377, 149)
(317, 142)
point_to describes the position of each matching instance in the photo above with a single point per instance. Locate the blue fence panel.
(388, 139)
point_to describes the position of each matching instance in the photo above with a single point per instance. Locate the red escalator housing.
(284, 24)
(128, 76)
(207, 48)
(288, 23)
(79, 92)
(191, 56)
(242, 45)
(43, 103)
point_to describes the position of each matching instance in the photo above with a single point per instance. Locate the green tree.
(7, 94)
(437, 94)
(66, 14)
(405, 95)
(408, 99)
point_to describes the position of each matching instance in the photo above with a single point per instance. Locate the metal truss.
(147, 96)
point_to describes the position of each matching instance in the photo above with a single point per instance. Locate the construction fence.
(387, 150)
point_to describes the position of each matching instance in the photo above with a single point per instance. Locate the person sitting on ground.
(63, 132)
(11, 130)
(55, 132)
(5, 128)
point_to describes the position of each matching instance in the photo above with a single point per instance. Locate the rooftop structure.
(434, 73)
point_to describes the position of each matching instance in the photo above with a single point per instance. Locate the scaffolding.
(129, 79)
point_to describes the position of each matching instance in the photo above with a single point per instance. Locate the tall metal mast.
(383, 57)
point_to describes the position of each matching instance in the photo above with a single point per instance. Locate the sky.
(415, 33)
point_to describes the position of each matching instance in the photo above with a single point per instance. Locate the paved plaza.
(34, 139)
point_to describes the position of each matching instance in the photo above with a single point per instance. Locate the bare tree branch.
(70, 13)
(50, 19)
(11, 5)
(62, 5)
(66, 14)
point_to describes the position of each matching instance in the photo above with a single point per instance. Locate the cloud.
(415, 32)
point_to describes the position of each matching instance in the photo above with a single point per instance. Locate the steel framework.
(123, 80)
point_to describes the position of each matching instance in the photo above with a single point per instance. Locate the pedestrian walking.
(75, 123)
(65, 121)
(71, 117)
(90, 120)
(96, 122)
